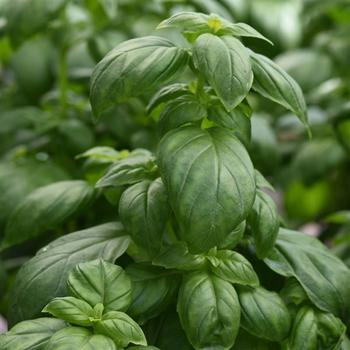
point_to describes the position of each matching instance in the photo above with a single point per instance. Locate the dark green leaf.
(71, 310)
(199, 165)
(246, 341)
(264, 222)
(323, 276)
(225, 64)
(274, 83)
(153, 289)
(233, 267)
(121, 328)
(144, 211)
(100, 282)
(30, 335)
(264, 313)
(293, 292)
(44, 276)
(209, 311)
(45, 209)
(134, 67)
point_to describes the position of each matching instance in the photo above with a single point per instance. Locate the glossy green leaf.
(182, 110)
(101, 153)
(264, 313)
(30, 335)
(144, 211)
(323, 276)
(100, 282)
(209, 311)
(224, 63)
(153, 290)
(261, 182)
(210, 180)
(137, 166)
(121, 328)
(134, 67)
(45, 209)
(79, 338)
(274, 83)
(72, 310)
(244, 30)
(44, 276)
(177, 256)
(264, 222)
(233, 267)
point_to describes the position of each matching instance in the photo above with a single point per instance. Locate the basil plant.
(207, 264)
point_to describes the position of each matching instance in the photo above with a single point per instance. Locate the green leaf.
(137, 166)
(153, 290)
(177, 256)
(224, 63)
(72, 310)
(134, 67)
(209, 311)
(264, 222)
(45, 209)
(233, 267)
(293, 292)
(30, 335)
(144, 211)
(79, 338)
(274, 83)
(238, 120)
(101, 153)
(323, 276)
(100, 282)
(181, 110)
(264, 313)
(121, 328)
(210, 180)
(246, 341)
(44, 276)
(166, 94)
(143, 348)
(261, 182)
(234, 237)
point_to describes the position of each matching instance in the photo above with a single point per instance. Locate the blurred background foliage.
(49, 48)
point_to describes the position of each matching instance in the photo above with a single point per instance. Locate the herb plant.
(207, 263)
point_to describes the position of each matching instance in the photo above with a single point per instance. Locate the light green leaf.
(261, 182)
(44, 276)
(264, 222)
(193, 22)
(121, 328)
(323, 276)
(224, 63)
(198, 165)
(79, 338)
(144, 211)
(264, 313)
(154, 288)
(72, 310)
(209, 311)
(100, 282)
(30, 335)
(134, 67)
(45, 209)
(233, 267)
(101, 153)
(274, 83)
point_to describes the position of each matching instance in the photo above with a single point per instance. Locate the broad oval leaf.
(225, 64)
(46, 208)
(44, 276)
(144, 211)
(33, 334)
(100, 282)
(121, 328)
(134, 67)
(323, 276)
(233, 267)
(274, 83)
(264, 313)
(198, 165)
(264, 222)
(72, 310)
(79, 338)
(209, 311)
(154, 288)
